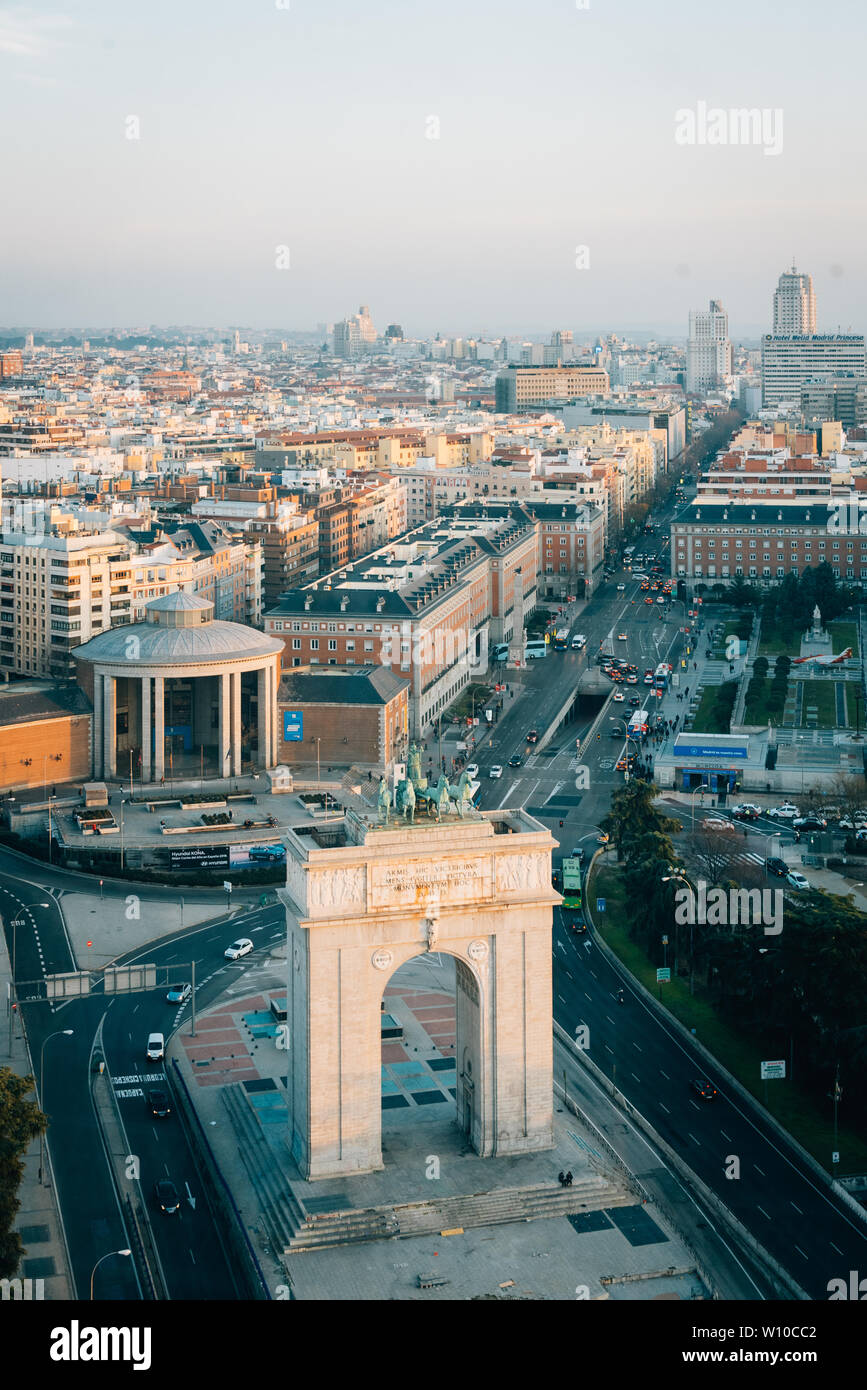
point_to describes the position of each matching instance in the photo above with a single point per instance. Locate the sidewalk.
(38, 1219)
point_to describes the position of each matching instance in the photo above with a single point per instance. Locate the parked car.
(242, 947)
(796, 879)
(777, 866)
(156, 1048)
(496, 771)
(179, 994)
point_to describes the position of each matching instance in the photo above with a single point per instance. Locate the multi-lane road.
(727, 1142)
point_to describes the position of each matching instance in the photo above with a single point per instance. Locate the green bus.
(572, 900)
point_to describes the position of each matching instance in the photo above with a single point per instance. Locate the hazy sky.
(305, 123)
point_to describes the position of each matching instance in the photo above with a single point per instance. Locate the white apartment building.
(788, 362)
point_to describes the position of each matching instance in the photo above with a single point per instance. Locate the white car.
(618, 696)
(242, 947)
(797, 880)
(621, 588)
(748, 806)
(716, 823)
(783, 812)
(496, 771)
(623, 636)
(472, 769)
(845, 824)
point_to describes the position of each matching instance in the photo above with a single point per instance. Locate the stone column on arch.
(236, 723)
(109, 727)
(146, 737)
(159, 728)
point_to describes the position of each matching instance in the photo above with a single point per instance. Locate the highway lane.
(85, 1191)
(195, 1265)
(191, 1253)
(804, 1225)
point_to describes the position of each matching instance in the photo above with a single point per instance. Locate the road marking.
(693, 1138)
(665, 1108)
(192, 1257)
(560, 997)
(639, 1049)
(797, 1208)
(560, 946)
(610, 1019)
(587, 996)
(665, 1074)
(725, 1136)
(692, 1102)
(609, 1049)
(837, 1248)
(764, 1213)
(758, 1170)
(800, 1252)
(637, 1078)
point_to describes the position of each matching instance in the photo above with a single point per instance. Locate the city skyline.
(277, 166)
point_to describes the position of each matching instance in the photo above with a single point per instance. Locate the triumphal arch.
(365, 895)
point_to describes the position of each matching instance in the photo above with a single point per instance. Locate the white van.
(578, 641)
(156, 1047)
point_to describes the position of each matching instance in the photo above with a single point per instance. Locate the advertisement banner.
(199, 857)
(293, 725)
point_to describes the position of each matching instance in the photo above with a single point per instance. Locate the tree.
(21, 1121)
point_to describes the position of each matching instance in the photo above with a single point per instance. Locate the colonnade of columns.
(152, 718)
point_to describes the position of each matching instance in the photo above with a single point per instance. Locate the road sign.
(835, 1156)
(663, 975)
(773, 1071)
(227, 887)
(600, 904)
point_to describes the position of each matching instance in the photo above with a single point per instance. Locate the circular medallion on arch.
(478, 950)
(381, 960)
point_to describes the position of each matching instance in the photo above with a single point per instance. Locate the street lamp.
(702, 787)
(99, 1262)
(122, 804)
(681, 878)
(61, 1033)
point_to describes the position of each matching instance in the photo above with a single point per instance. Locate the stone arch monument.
(478, 890)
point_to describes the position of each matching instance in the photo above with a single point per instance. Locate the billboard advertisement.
(199, 857)
(257, 856)
(293, 725)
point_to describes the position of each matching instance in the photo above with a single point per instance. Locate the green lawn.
(730, 630)
(856, 714)
(822, 694)
(844, 634)
(795, 1110)
(772, 645)
(705, 720)
(758, 712)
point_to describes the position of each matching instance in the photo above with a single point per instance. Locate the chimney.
(380, 603)
(344, 603)
(308, 603)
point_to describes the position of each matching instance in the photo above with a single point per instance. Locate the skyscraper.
(708, 351)
(794, 304)
(353, 335)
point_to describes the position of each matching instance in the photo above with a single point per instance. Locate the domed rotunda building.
(181, 690)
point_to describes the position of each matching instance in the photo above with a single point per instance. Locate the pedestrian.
(569, 1179)
(561, 1177)
(695, 665)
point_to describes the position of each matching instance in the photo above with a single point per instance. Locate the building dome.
(179, 630)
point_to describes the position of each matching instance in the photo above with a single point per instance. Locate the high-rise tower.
(794, 304)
